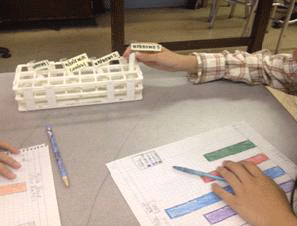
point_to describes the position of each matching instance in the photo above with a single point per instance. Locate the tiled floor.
(38, 41)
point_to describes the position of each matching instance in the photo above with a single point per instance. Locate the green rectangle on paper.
(230, 150)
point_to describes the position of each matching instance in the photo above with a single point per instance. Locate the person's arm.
(278, 71)
(6, 161)
(257, 198)
(166, 60)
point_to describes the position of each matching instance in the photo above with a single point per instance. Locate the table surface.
(172, 109)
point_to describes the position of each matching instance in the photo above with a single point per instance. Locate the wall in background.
(149, 4)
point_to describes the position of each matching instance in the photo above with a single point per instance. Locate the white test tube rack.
(55, 88)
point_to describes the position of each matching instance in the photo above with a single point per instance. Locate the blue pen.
(56, 151)
(198, 173)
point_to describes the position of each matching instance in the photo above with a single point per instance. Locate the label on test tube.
(76, 63)
(106, 59)
(150, 47)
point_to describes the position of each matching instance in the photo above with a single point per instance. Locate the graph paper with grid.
(159, 195)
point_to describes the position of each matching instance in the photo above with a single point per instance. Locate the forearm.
(278, 71)
(188, 63)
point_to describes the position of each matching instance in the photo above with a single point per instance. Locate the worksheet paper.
(30, 199)
(159, 195)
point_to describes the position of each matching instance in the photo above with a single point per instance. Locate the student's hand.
(6, 161)
(166, 60)
(257, 198)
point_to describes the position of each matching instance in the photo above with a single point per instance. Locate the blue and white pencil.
(198, 173)
(56, 151)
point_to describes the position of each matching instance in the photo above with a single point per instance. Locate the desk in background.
(253, 41)
(172, 109)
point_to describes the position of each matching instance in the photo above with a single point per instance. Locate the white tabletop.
(172, 109)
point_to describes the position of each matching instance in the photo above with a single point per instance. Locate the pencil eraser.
(147, 47)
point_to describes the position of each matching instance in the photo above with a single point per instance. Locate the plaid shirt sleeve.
(278, 71)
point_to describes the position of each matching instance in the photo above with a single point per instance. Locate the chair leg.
(274, 8)
(232, 10)
(285, 25)
(213, 13)
(245, 30)
(247, 8)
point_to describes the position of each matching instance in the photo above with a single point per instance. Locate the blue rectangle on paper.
(192, 205)
(195, 204)
(274, 172)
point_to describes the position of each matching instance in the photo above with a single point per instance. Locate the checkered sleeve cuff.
(211, 66)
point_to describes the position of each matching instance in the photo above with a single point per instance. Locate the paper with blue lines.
(159, 195)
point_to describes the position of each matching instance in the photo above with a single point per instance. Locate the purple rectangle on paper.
(287, 186)
(220, 214)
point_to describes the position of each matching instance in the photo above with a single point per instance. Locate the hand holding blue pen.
(198, 173)
(56, 151)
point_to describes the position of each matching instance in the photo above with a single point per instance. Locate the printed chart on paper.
(30, 199)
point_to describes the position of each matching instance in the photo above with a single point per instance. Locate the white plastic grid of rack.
(55, 88)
